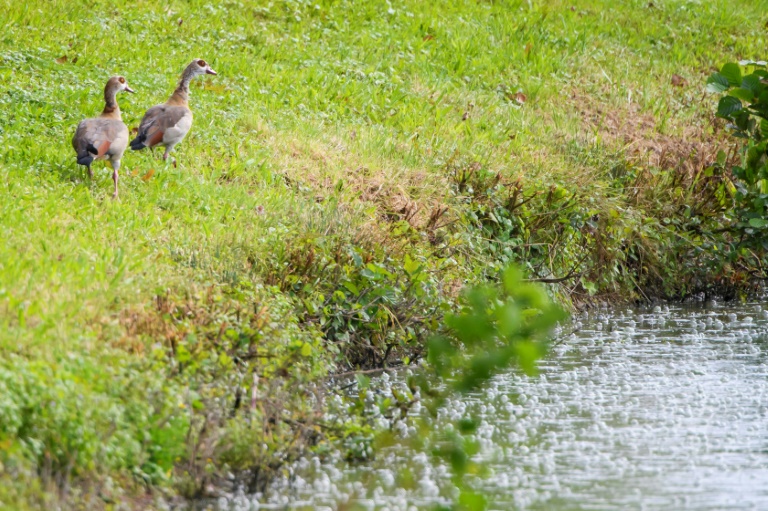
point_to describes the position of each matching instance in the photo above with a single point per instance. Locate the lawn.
(350, 168)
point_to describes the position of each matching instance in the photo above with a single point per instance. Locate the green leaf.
(589, 286)
(764, 128)
(508, 318)
(306, 349)
(511, 279)
(727, 106)
(363, 381)
(717, 83)
(743, 94)
(721, 158)
(754, 155)
(732, 72)
(528, 352)
(752, 83)
(472, 501)
(458, 459)
(758, 222)
(438, 350)
(183, 354)
(351, 287)
(742, 120)
(410, 266)
(467, 426)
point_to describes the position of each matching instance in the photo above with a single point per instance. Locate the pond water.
(638, 409)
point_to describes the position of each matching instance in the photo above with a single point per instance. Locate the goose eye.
(201, 63)
(122, 80)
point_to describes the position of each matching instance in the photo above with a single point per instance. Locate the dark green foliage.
(745, 106)
(498, 327)
(373, 307)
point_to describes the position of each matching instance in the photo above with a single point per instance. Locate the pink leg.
(166, 154)
(115, 166)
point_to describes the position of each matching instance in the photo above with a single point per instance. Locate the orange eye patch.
(201, 63)
(122, 80)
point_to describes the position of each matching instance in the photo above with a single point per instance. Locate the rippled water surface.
(663, 408)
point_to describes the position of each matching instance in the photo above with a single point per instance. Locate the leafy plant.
(745, 105)
(499, 327)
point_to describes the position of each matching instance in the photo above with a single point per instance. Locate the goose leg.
(166, 154)
(90, 172)
(115, 177)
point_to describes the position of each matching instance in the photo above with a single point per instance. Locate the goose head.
(200, 67)
(117, 84)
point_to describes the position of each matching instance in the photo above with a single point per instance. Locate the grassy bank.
(350, 169)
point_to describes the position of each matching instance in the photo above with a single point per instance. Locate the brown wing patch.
(104, 147)
(156, 138)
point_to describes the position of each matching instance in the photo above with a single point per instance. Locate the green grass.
(332, 132)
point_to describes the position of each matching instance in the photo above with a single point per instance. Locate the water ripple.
(639, 409)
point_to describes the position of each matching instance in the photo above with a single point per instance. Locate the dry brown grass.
(169, 318)
(331, 165)
(638, 135)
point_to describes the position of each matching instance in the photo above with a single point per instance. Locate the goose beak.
(210, 71)
(128, 89)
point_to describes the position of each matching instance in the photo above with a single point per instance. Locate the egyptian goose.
(104, 137)
(168, 124)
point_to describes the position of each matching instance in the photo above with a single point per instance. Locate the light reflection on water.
(663, 408)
